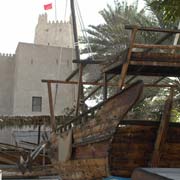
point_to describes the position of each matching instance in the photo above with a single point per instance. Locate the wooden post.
(97, 88)
(176, 39)
(39, 134)
(126, 64)
(80, 89)
(162, 131)
(105, 87)
(51, 107)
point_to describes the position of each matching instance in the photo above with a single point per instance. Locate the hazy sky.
(18, 18)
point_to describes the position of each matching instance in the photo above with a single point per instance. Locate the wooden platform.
(147, 59)
(148, 64)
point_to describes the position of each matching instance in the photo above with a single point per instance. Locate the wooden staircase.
(147, 59)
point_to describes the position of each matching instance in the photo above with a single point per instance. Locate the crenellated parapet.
(43, 19)
(59, 22)
(54, 33)
(8, 55)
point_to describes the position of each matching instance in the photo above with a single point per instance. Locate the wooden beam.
(87, 61)
(166, 36)
(97, 88)
(162, 132)
(153, 29)
(75, 82)
(80, 89)
(102, 84)
(126, 64)
(155, 63)
(39, 134)
(156, 46)
(7, 160)
(105, 87)
(51, 107)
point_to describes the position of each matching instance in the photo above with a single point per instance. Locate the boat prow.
(92, 138)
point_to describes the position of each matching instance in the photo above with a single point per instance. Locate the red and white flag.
(48, 6)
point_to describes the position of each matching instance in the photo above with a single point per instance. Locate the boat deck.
(147, 59)
(148, 64)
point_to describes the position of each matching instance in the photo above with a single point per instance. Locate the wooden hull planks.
(108, 117)
(92, 140)
(83, 169)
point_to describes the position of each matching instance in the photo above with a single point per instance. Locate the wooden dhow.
(93, 137)
(102, 143)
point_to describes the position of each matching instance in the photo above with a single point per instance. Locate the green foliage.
(151, 105)
(111, 38)
(175, 115)
(169, 9)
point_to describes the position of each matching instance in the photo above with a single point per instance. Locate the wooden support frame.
(51, 107)
(105, 87)
(126, 64)
(153, 29)
(102, 84)
(76, 82)
(97, 88)
(162, 131)
(156, 46)
(80, 89)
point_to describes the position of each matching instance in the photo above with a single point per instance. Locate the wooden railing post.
(162, 131)
(80, 89)
(126, 64)
(51, 107)
(105, 87)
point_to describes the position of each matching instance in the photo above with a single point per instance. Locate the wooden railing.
(82, 118)
(148, 47)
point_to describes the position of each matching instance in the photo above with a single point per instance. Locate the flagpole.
(55, 10)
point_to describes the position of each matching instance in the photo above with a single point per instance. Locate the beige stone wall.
(6, 83)
(53, 33)
(37, 62)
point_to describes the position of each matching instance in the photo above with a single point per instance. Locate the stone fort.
(50, 57)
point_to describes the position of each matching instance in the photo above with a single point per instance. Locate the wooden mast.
(80, 86)
(75, 30)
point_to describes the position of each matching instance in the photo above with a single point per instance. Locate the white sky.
(18, 18)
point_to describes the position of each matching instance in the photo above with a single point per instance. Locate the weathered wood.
(126, 64)
(75, 82)
(165, 37)
(162, 132)
(95, 150)
(159, 57)
(132, 146)
(80, 89)
(88, 61)
(105, 87)
(96, 89)
(106, 122)
(156, 46)
(119, 104)
(153, 29)
(83, 169)
(103, 84)
(155, 64)
(51, 107)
